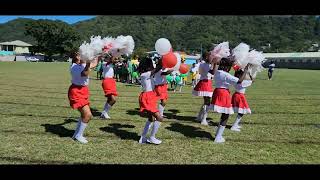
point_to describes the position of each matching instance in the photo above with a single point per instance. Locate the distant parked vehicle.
(32, 59)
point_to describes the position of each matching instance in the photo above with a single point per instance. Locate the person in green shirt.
(99, 70)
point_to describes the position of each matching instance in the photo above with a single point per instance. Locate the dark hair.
(205, 54)
(145, 65)
(73, 55)
(225, 64)
(238, 73)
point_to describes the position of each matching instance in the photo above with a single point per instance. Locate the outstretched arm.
(167, 72)
(214, 69)
(244, 73)
(86, 70)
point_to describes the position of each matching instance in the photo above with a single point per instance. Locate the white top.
(271, 66)
(147, 81)
(160, 79)
(224, 80)
(204, 69)
(108, 71)
(77, 79)
(241, 88)
(194, 69)
(197, 66)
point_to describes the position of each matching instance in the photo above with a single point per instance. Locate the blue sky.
(67, 19)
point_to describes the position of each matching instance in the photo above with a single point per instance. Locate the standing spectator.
(271, 68)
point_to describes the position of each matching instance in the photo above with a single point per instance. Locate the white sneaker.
(104, 115)
(154, 140)
(239, 127)
(81, 139)
(204, 122)
(142, 140)
(219, 140)
(235, 128)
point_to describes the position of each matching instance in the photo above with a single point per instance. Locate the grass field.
(36, 122)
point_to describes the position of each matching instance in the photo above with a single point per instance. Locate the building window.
(10, 48)
(7, 48)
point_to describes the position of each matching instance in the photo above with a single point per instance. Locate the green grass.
(36, 122)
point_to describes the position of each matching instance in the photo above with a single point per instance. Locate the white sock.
(82, 127)
(220, 131)
(146, 129)
(78, 124)
(156, 125)
(205, 112)
(238, 119)
(107, 107)
(161, 110)
(200, 113)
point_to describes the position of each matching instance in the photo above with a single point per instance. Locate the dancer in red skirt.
(239, 102)
(204, 88)
(148, 101)
(108, 85)
(78, 93)
(221, 100)
(161, 87)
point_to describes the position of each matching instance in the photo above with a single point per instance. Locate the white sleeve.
(76, 70)
(246, 83)
(231, 79)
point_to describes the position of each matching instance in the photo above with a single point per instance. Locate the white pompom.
(221, 50)
(122, 45)
(86, 52)
(256, 59)
(96, 44)
(240, 53)
(107, 44)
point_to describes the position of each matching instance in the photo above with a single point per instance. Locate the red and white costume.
(161, 86)
(239, 102)
(148, 98)
(78, 92)
(108, 83)
(204, 86)
(221, 100)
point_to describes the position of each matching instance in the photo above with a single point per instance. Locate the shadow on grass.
(58, 129)
(117, 129)
(189, 131)
(134, 111)
(173, 115)
(95, 112)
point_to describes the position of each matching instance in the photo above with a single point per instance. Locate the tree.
(53, 37)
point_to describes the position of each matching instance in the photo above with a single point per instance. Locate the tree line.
(186, 33)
